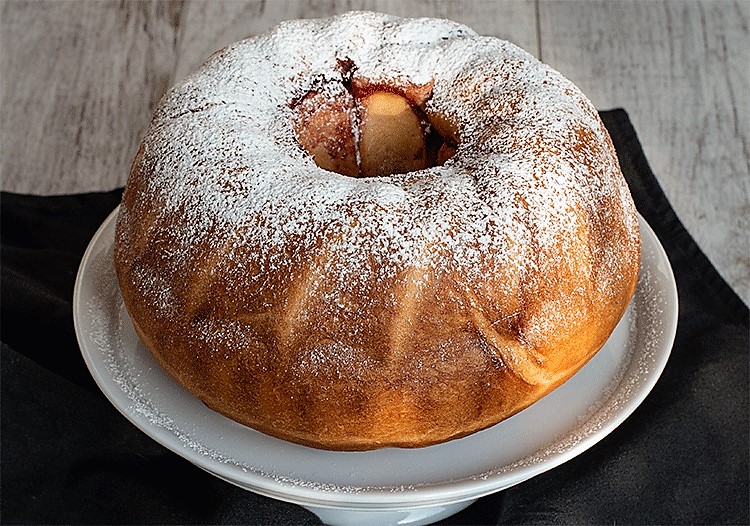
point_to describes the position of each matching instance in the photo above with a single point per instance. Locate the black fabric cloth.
(68, 457)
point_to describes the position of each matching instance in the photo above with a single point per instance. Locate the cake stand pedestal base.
(412, 517)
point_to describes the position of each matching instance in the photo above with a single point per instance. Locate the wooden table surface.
(80, 79)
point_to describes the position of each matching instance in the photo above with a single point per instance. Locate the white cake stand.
(388, 486)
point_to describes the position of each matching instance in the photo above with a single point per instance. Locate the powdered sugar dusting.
(222, 155)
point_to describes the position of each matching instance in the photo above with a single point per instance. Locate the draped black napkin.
(68, 457)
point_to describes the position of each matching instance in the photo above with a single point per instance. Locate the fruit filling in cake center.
(370, 131)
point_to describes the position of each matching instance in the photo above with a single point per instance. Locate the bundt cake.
(367, 231)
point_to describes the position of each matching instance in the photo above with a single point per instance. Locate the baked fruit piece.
(366, 231)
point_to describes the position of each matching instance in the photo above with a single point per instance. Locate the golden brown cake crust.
(403, 310)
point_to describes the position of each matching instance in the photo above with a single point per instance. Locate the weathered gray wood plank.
(79, 83)
(682, 71)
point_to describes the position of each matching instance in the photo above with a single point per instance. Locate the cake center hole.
(376, 135)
